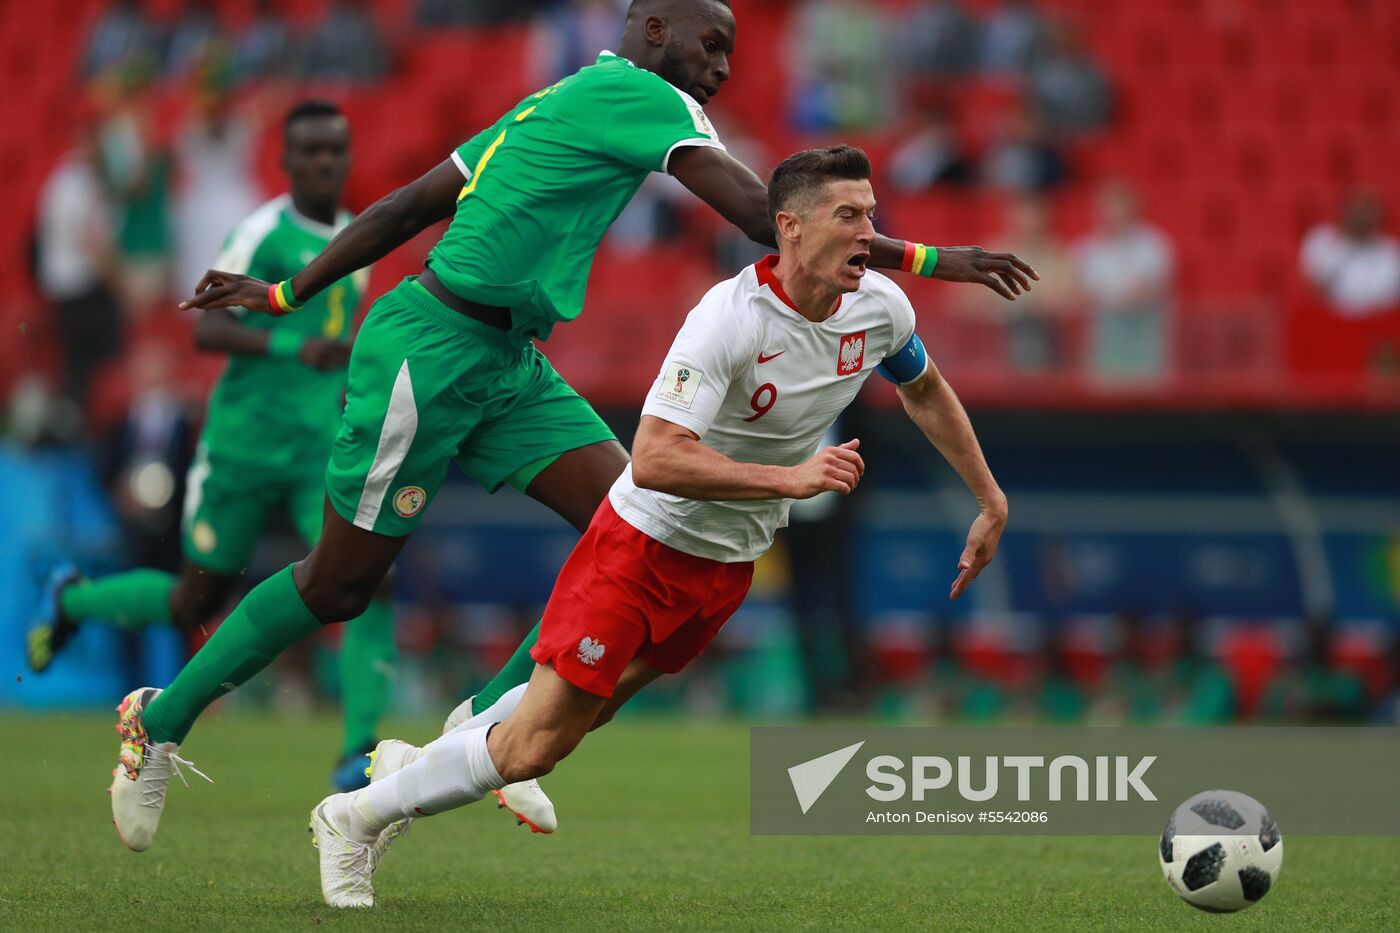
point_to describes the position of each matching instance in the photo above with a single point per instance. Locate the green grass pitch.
(654, 834)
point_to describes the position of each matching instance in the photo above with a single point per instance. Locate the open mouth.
(858, 262)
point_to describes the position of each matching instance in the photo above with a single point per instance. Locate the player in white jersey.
(729, 436)
(759, 383)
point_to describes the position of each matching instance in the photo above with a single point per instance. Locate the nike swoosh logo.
(765, 359)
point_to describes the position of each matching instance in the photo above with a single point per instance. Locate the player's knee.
(340, 604)
(385, 590)
(194, 603)
(332, 599)
(190, 613)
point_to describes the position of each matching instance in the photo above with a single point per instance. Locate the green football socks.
(271, 618)
(368, 657)
(130, 600)
(516, 672)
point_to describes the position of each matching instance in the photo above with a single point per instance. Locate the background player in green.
(444, 368)
(271, 420)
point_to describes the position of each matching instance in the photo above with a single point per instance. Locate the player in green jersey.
(444, 369)
(271, 421)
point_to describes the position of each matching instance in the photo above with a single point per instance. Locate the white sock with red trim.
(451, 772)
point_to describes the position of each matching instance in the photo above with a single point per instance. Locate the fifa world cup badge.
(679, 384)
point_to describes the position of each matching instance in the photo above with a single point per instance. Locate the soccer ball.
(1221, 851)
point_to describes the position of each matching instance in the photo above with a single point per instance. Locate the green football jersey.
(543, 184)
(277, 411)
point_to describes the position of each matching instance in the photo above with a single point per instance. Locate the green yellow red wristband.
(280, 298)
(919, 259)
(285, 343)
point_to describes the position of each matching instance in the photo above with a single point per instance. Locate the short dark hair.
(308, 109)
(648, 7)
(800, 176)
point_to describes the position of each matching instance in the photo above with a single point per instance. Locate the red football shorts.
(623, 595)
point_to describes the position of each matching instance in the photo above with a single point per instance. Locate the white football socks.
(451, 772)
(497, 712)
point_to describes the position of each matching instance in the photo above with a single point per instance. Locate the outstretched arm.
(740, 197)
(932, 405)
(729, 186)
(670, 459)
(218, 330)
(388, 223)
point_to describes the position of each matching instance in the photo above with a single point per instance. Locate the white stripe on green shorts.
(400, 425)
(194, 484)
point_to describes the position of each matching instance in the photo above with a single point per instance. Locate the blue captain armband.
(907, 365)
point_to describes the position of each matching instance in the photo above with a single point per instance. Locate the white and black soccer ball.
(1221, 851)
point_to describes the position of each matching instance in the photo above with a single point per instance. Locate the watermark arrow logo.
(810, 779)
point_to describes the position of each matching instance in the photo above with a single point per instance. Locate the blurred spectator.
(1124, 268)
(1311, 688)
(840, 69)
(954, 691)
(1037, 321)
(1164, 679)
(1356, 265)
(1025, 159)
(938, 40)
(1387, 712)
(570, 36)
(1200, 693)
(1067, 87)
(1059, 697)
(932, 155)
(75, 244)
(214, 157)
(37, 418)
(264, 49)
(146, 458)
(136, 170)
(190, 38)
(345, 46)
(483, 13)
(123, 35)
(1011, 38)
(652, 216)
(1142, 684)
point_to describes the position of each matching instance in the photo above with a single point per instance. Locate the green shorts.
(228, 502)
(429, 385)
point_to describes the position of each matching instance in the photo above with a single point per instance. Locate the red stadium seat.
(982, 109)
(1362, 651)
(1252, 657)
(470, 77)
(961, 218)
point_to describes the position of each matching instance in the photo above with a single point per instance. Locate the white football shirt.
(759, 383)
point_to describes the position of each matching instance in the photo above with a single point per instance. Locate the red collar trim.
(764, 270)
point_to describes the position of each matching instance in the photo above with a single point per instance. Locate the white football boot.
(142, 776)
(461, 714)
(525, 799)
(529, 804)
(389, 756)
(347, 868)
